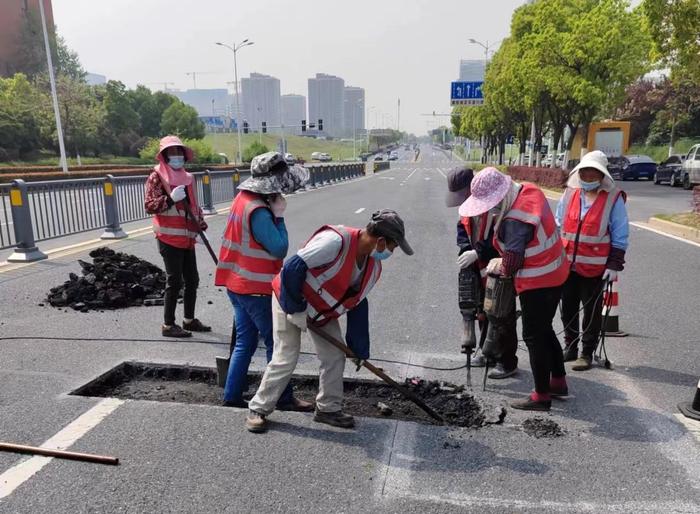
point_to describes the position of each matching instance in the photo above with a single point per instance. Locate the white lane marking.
(426, 178)
(20, 473)
(387, 178)
(441, 173)
(411, 174)
(646, 227)
(358, 211)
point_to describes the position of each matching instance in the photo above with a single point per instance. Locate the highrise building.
(207, 102)
(326, 95)
(260, 101)
(471, 70)
(353, 109)
(293, 111)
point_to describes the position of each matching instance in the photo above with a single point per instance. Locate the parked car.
(670, 171)
(632, 167)
(316, 156)
(690, 169)
(290, 158)
(379, 157)
(393, 156)
(325, 157)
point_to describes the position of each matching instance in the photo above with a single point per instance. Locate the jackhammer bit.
(468, 340)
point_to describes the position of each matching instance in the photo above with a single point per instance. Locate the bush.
(255, 149)
(203, 152)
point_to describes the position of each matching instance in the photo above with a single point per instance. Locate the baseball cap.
(459, 180)
(388, 223)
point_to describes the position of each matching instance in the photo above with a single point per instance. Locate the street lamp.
(354, 127)
(486, 48)
(235, 48)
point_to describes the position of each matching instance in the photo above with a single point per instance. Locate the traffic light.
(303, 125)
(245, 127)
(320, 124)
(264, 127)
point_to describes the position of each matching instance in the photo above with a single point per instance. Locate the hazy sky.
(394, 49)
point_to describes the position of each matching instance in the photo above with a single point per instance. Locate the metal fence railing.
(38, 211)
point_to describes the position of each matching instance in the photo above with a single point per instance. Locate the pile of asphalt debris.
(114, 280)
(540, 427)
(457, 406)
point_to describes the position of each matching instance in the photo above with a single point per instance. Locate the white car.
(316, 156)
(325, 157)
(690, 169)
(290, 158)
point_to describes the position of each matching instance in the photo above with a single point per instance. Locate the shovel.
(386, 378)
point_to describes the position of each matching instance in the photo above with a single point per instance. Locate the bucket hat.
(169, 141)
(270, 174)
(488, 188)
(596, 160)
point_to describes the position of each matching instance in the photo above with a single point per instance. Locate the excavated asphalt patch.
(540, 427)
(192, 384)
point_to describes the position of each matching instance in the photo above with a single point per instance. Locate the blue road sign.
(462, 91)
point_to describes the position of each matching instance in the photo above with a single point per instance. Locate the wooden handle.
(61, 454)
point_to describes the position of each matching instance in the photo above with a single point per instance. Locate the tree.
(19, 130)
(182, 120)
(150, 108)
(254, 149)
(675, 30)
(643, 100)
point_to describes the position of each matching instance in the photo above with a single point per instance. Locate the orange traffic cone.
(692, 409)
(611, 306)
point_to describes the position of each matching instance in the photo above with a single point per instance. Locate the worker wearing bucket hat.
(474, 239)
(531, 252)
(167, 189)
(255, 242)
(595, 233)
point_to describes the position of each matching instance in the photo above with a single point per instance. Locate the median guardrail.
(31, 212)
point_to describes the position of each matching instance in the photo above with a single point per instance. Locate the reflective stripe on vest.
(328, 290)
(545, 264)
(173, 227)
(245, 267)
(587, 239)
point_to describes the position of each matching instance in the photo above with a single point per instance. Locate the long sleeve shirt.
(484, 249)
(156, 200)
(618, 225)
(271, 234)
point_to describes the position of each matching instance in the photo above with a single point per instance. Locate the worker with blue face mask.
(331, 275)
(595, 230)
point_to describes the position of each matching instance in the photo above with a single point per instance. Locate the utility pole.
(398, 115)
(54, 95)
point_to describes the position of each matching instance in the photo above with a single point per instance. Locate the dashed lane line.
(358, 211)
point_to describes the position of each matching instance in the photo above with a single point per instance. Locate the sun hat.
(488, 188)
(270, 174)
(169, 141)
(596, 160)
(388, 223)
(458, 181)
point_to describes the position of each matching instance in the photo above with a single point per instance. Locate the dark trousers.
(546, 358)
(180, 267)
(579, 290)
(507, 340)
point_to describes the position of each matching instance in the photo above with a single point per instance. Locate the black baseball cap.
(459, 181)
(388, 223)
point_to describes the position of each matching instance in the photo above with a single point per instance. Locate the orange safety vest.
(545, 263)
(484, 226)
(173, 226)
(327, 288)
(587, 239)
(245, 267)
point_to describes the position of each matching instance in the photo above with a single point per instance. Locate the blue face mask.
(589, 186)
(380, 256)
(176, 161)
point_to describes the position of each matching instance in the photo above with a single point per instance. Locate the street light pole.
(235, 49)
(54, 95)
(485, 46)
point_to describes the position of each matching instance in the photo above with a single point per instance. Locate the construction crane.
(194, 74)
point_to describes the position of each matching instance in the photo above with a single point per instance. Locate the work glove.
(610, 275)
(178, 194)
(278, 206)
(466, 259)
(298, 319)
(495, 266)
(358, 363)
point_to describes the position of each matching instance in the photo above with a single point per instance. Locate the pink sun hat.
(169, 141)
(488, 188)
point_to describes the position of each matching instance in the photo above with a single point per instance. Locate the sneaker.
(478, 360)
(174, 331)
(530, 404)
(583, 363)
(336, 419)
(255, 422)
(570, 352)
(499, 372)
(195, 326)
(296, 405)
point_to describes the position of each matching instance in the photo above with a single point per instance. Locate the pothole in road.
(198, 385)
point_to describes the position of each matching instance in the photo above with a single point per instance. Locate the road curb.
(675, 229)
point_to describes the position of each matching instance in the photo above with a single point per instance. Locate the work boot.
(296, 405)
(336, 419)
(174, 331)
(583, 363)
(255, 422)
(500, 372)
(195, 326)
(558, 387)
(478, 360)
(570, 352)
(533, 402)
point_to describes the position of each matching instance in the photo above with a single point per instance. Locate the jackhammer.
(470, 305)
(499, 307)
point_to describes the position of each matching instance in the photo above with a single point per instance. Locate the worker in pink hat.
(526, 237)
(167, 190)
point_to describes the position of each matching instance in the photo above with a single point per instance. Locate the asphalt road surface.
(624, 448)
